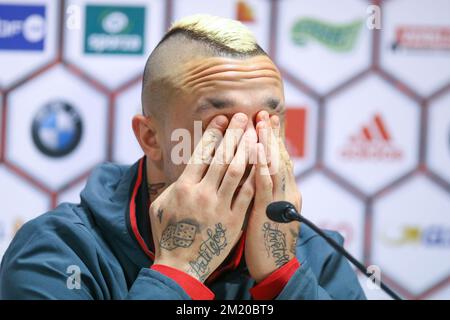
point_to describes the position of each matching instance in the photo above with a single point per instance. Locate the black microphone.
(285, 212)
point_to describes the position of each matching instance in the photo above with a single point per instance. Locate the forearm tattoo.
(179, 235)
(275, 243)
(212, 246)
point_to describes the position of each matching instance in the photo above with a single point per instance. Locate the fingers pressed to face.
(226, 151)
(279, 180)
(204, 150)
(263, 180)
(268, 135)
(237, 168)
(246, 194)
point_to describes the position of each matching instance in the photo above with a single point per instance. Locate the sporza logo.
(22, 27)
(336, 37)
(57, 129)
(114, 30)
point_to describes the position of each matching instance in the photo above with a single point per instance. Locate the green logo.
(339, 38)
(114, 30)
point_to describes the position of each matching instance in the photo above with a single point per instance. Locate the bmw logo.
(57, 129)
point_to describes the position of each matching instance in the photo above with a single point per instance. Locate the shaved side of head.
(191, 38)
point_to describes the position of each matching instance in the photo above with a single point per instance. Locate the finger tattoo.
(160, 214)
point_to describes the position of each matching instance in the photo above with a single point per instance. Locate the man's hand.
(270, 245)
(198, 219)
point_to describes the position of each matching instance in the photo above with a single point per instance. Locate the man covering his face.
(188, 220)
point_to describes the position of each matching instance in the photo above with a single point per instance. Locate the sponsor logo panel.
(57, 129)
(114, 30)
(414, 46)
(22, 27)
(368, 142)
(411, 234)
(313, 42)
(336, 37)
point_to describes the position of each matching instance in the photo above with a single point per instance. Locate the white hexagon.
(411, 234)
(20, 203)
(72, 195)
(32, 38)
(304, 49)
(126, 148)
(24, 107)
(438, 142)
(255, 14)
(301, 127)
(372, 134)
(415, 42)
(331, 207)
(121, 63)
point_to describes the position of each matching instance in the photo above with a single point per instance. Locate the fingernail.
(276, 120)
(240, 117)
(221, 121)
(265, 116)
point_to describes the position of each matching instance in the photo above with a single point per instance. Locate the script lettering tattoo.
(179, 235)
(153, 188)
(275, 243)
(212, 246)
(283, 183)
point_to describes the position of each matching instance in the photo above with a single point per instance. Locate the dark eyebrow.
(219, 103)
(216, 103)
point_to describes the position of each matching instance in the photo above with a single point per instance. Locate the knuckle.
(266, 181)
(234, 171)
(181, 188)
(203, 198)
(248, 190)
(153, 207)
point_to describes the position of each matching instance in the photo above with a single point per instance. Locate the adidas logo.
(372, 142)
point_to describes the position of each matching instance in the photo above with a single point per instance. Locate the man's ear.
(146, 134)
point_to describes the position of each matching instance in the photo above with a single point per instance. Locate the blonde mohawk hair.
(190, 37)
(225, 32)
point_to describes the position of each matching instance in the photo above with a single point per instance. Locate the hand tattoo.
(212, 246)
(275, 242)
(179, 235)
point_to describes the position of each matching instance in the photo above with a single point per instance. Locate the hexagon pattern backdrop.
(368, 120)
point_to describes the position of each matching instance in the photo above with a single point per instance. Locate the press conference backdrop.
(368, 120)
